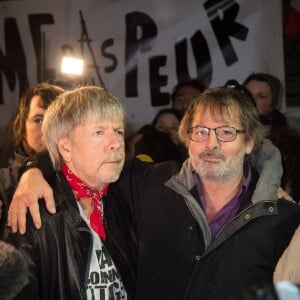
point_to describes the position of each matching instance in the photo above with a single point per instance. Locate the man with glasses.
(212, 227)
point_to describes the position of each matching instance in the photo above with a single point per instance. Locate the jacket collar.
(268, 164)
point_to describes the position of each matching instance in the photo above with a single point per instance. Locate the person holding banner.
(207, 229)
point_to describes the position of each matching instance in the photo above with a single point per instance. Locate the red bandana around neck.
(83, 191)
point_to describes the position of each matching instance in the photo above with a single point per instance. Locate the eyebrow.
(37, 115)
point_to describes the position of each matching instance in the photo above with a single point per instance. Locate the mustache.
(117, 157)
(214, 152)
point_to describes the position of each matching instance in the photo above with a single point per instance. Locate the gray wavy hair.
(73, 108)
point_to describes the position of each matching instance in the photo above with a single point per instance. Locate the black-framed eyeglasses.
(223, 133)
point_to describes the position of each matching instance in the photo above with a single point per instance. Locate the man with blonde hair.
(74, 256)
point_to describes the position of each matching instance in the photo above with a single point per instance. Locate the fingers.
(49, 200)
(34, 209)
(18, 210)
(36, 182)
(17, 215)
(32, 186)
(282, 194)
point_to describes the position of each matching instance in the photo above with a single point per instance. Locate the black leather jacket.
(58, 254)
(9, 177)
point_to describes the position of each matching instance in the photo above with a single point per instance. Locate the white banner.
(137, 49)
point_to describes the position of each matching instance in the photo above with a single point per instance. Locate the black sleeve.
(41, 161)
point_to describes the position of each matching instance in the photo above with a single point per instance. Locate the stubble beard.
(223, 170)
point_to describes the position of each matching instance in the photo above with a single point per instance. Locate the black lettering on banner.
(86, 40)
(222, 14)
(35, 22)
(202, 59)
(13, 62)
(181, 60)
(156, 81)
(106, 44)
(140, 35)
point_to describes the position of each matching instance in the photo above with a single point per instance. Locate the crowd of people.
(195, 205)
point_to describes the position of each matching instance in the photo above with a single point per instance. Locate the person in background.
(156, 146)
(167, 120)
(202, 224)
(287, 139)
(7, 146)
(151, 145)
(184, 92)
(158, 135)
(266, 91)
(75, 256)
(288, 266)
(29, 118)
(26, 136)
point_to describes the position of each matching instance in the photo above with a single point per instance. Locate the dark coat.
(175, 250)
(245, 258)
(9, 177)
(58, 254)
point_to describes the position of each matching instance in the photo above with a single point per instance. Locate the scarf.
(83, 191)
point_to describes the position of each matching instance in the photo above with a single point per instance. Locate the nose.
(212, 141)
(115, 141)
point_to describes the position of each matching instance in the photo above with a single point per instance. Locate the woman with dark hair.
(156, 146)
(26, 130)
(167, 120)
(29, 117)
(266, 92)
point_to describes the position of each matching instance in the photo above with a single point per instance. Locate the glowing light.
(72, 66)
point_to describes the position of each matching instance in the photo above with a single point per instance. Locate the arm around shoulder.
(32, 187)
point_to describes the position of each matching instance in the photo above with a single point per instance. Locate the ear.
(64, 148)
(250, 145)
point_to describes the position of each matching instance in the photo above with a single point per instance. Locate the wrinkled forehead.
(218, 113)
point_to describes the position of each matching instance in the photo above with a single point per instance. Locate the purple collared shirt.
(230, 210)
